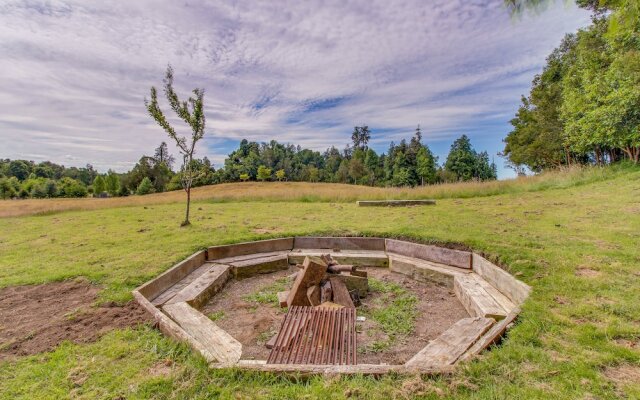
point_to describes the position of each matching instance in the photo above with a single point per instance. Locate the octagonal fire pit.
(317, 334)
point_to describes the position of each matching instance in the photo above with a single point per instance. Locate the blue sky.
(75, 73)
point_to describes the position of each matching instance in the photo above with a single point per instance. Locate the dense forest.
(405, 164)
(584, 108)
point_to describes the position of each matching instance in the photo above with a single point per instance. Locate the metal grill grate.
(322, 336)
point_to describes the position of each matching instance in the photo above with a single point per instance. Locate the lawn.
(574, 237)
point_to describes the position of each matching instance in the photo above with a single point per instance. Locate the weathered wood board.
(474, 295)
(425, 271)
(222, 346)
(262, 265)
(452, 343)
(394, 203)
(282, 298)
(358, 283)
(339, 243)
(358, 369)
(514, 289)
(352, 257)
(198, 292)
(491, 336)
(239, 249)
(311, 274)
(164, 281)
(340, 292)
(184, 282)
(252, 256)
(456, 258)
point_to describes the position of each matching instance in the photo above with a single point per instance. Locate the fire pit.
(317, 332)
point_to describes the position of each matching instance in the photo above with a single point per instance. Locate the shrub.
(145, 187)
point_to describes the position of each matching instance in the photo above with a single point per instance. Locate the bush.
(69, 187)
(145, 187)
(9, 188)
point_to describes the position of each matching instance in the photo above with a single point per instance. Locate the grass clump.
(268, 294)
(216, 316)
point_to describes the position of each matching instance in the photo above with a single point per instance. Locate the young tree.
(98, 185)
(192, 113)
(244, 177)
(280, 174)
(264, 173)
(112, 183)
(426, 165)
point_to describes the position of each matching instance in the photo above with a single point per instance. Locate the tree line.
(584, 108)
(408, 163)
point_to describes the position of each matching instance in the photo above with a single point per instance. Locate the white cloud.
(75, 72)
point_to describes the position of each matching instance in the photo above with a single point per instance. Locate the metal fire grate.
(310, 335)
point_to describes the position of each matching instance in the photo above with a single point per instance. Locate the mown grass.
(576, 242)
(318, 192)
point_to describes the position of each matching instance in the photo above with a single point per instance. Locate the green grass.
(575, 330)
(394, 311)
(269, 293)
(216, 316)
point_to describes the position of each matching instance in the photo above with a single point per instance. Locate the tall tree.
(161, 155)
(461, 160)
(192, 113)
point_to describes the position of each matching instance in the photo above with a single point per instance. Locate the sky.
(74, 74)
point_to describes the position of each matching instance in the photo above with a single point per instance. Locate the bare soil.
(37, 318)
(252, 323)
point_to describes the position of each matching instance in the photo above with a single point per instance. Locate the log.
(340, 292)
(355, 283)
(312, 273)
(338, 268)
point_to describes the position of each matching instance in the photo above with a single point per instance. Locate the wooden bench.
(218, 345)
(204, 286)
(425, 271)
(448, 347)
(481, 299)
(361, 258)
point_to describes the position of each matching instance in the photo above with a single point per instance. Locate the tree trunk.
(186, 218)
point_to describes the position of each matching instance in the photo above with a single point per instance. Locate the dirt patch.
(37, 318)
(587, 272)
(253, 323)
(623, 375)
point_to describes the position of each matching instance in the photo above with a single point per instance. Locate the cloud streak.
(75, 73)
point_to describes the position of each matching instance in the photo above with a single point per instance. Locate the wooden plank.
(244, 257)
(313, 295)
(475, 299)
(239, 249)
(170, 277)
(492, 336)
(339, 243)
(514, 289)
(358, 369)
(262, 265)
(394, 203)
(358, 258)
(340, 292)
(456, 258)
(171, 329)
(198, 292)
(184, 282)
(222, 346)
(282, 298)
(425, 271)
(312, 273)
(500, 298)
(354, 283)
(452, 343)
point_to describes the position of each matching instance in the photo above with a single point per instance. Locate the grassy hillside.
(574, 237)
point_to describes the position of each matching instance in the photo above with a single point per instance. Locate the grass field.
(573, 236)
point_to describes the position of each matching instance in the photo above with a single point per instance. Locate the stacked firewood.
(322, 282)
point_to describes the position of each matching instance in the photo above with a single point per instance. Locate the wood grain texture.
(339, 243)
(360, 258)
(218, 343)
(456, 258)
(341, 294)
(358, 283)
(514, 289)
(170, 277)
(184, 282)
(358, 369)
(452, 343)
(492, 336)
(475, 298)
(425, 271)
(262, 265)
(314, 269)
(198, 292)
(239, 249)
